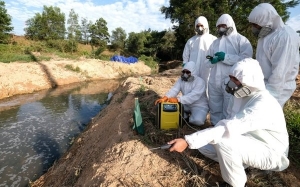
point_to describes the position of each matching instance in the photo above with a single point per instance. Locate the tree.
(5, 23)
(85, 30)
(74, 33)
(50, 25)
(73, 27)
(33, 31)
(168, 45)
(183, 14)
(153, 43)
(118, 38)
(135, 43)
(99, 35)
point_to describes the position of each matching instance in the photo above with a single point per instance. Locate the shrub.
(149, 61)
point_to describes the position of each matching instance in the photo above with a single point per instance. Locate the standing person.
(254, 134)
(229, 48)
(193, 95)
(197, 46)
(277, 51)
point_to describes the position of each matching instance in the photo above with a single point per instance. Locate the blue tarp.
(118, 58)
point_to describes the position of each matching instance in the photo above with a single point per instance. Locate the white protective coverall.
(193, 96)
(277, 53)
(236, 47)
(254, 134)
(196, 49)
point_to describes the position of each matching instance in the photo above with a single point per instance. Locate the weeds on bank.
(140, 91)
(149, 61)
(292, 117)
(70, 67)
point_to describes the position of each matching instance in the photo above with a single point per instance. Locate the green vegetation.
(5, 24)
(292, 116)
(149, 61)
(70, 67)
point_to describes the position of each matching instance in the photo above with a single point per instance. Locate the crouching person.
(254, 134)
(192, 97)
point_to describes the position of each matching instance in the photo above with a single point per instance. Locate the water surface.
(36, 129)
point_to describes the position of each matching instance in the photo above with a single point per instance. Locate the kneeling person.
(193, 97)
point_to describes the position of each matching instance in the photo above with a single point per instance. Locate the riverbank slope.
(20, 78)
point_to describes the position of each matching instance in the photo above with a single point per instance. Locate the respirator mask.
(237, 91)
(262, 32)
(187, 77)
(199, 30)
(224, 31)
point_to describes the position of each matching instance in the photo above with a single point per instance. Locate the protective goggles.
(186, 71)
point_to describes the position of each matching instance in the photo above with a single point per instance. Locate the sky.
(131, 15)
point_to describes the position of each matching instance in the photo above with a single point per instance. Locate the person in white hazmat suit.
(193, 96)
(254, 134)
(229, 48)
(277, 51)
(197, 46)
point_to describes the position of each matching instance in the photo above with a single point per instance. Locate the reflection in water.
(35, 133)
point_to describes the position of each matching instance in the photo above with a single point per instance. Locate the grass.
(70, 67)
(149, 61)
(23, 50)
(292, 117)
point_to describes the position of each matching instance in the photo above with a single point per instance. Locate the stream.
(36, 129)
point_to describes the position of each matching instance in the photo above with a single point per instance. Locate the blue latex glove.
(214, 60)
(220, 55)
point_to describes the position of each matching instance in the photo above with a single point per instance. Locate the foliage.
(50, 25)
(135, 42)
(151, 43)
(184, 13)
(118, 38)
(292, 117)
(74, 27)
(5, 24)
(11, 53)
(168, 46)
(84, 28)
(70, 67)
(99, 36)
(62, 45)
(99, 32)
(140, 92)
(45, 50)
(100, 50)
(149, 61)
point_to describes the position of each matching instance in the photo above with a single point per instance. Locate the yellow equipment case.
(168, 115)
